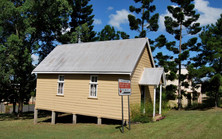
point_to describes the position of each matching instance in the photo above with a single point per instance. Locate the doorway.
(143, 98)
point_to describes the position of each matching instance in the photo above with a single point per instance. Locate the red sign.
(124, 87)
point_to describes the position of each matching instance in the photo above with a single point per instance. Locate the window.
(60, 85)
(93, 86)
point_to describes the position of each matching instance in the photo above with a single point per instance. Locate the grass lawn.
(177, 124)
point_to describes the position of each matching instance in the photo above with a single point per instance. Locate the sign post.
(122, 115)
(124, 90)
(129, 112)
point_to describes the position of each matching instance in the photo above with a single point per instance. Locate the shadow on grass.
(67, 118)
(25, 116)
(207, 103)
(121, 128)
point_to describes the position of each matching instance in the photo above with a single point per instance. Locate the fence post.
(1, 107)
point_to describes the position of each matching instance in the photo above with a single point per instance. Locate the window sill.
(93, 98)
(60, 95)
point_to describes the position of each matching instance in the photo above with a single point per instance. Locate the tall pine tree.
(81, 14)
(146, 22)
(183, 20)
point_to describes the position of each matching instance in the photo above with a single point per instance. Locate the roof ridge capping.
(104, 41)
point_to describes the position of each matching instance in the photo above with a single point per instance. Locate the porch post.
(160, 98)
(154, 101)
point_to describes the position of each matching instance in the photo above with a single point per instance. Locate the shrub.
(164, 107)
(138, 114)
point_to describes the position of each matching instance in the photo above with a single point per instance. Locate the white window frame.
(62, 82)
(93, 83)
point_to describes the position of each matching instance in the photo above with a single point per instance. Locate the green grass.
(177, 124)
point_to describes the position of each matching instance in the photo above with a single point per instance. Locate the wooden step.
(161, 118)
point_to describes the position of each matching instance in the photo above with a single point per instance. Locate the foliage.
(183, 19)
(109, 33)
(81, 14)
(210, 89)
(168, 93)
(208, 63)
(81, 33)
(26, 27)
(48, 18)
(146, 22)
(137, 112)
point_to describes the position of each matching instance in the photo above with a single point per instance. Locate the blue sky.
(114, 13)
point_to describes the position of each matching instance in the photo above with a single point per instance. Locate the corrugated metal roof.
(152, 76)
(119, 56)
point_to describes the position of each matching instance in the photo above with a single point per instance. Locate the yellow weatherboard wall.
(76, 95)
(144, 62)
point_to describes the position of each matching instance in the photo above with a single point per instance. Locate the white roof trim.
(150, 52)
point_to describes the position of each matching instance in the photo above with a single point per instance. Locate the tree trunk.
(216, 96)
(20, 101)
(142, 21)
(179, 80)
(14, 106)
(20, 108)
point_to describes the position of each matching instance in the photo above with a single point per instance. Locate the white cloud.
(208, 14)
(35, 59)
(109, 8)
(121, 17)
(97, 21)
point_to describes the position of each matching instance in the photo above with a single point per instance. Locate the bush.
(138, 114)
(164, 108)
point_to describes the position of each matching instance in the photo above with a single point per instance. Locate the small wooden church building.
(82, 78)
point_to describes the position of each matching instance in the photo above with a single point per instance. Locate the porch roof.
(152, 76)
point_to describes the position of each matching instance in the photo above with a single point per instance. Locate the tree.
(146, 22)
(208, 63)
(49, 18)
(183, 19)
(109, 33)
(81, 14)
(80, 34)
(26, 27)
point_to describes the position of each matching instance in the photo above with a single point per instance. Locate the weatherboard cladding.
(119, 56)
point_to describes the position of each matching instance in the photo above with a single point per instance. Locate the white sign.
(124, 87)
